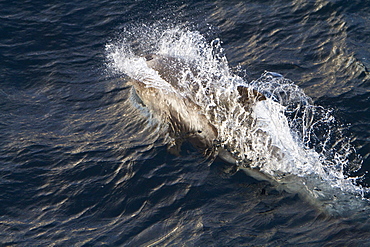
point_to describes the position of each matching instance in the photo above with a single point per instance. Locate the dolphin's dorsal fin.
(248, 95)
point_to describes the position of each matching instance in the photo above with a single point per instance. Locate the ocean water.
(84, 163)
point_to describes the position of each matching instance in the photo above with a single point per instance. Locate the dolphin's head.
(181, 114)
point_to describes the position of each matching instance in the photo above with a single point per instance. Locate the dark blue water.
(81, 166)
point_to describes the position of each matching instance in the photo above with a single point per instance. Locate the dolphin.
(183, 116)
(161, 92)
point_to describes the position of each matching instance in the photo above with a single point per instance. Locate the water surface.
(82, 165)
